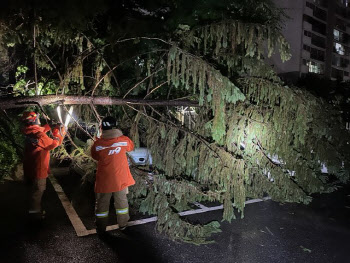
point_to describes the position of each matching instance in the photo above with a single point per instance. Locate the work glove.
(59, 130)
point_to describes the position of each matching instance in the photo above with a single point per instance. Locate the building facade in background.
(319, 34)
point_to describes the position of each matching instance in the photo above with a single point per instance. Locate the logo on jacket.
(115, 151)
(100, 148)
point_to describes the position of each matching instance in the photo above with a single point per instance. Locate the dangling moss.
(134, 131)
(235, 35)
(209, 82)
(260, 150)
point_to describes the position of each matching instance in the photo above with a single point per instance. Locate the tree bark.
(19, 102)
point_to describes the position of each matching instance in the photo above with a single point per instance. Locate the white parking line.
(78, 225)
(81, 230)
(203, 209)
(199, 205)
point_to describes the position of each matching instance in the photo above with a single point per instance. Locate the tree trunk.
(18, 102)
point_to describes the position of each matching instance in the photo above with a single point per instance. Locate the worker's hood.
(113, 133)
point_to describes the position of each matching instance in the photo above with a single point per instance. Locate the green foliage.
(21, 70)
(8, 158)
(252, 135)
(213, 88)
(232, 37)
(10, 146)
(280, 158)
(25, 87)
(165, 198)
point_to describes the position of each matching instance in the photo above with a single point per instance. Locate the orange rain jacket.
(37, 151)
(113, 173)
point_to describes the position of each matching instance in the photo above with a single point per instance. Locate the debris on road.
(306, 249)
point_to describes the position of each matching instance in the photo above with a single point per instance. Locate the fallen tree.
(250, 134)
(22, 102)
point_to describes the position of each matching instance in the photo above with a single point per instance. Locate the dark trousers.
(36, 189)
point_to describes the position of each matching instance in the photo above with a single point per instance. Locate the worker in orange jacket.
(113, 175)
(37, 157)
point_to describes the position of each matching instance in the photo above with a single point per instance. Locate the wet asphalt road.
(270, 232)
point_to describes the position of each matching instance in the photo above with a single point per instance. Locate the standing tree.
(251, 136)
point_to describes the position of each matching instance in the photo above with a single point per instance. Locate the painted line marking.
(78, 225)
(185, 213)
(199, 205)
(81, 230)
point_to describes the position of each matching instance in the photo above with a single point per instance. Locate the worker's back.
(113, 173)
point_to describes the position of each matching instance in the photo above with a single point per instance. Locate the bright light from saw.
(98, 132)
(69, 116)
(59, 113)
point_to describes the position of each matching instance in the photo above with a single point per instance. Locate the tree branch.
(20, 102)
(160, 85)
(112, 69)
(77, 123)
(140, 82)
(147, 38)
(51, 62)
(183, 129)
(95, 112)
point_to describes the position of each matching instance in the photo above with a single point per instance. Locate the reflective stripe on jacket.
(37, 151)
(113, 173)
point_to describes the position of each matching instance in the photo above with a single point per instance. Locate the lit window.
(344, 2)
(315, 67)
(339, 48)
(336, 34)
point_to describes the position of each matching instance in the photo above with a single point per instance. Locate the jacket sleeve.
(47, 143)
(130, 146)
(46, 128)
(94, 154)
